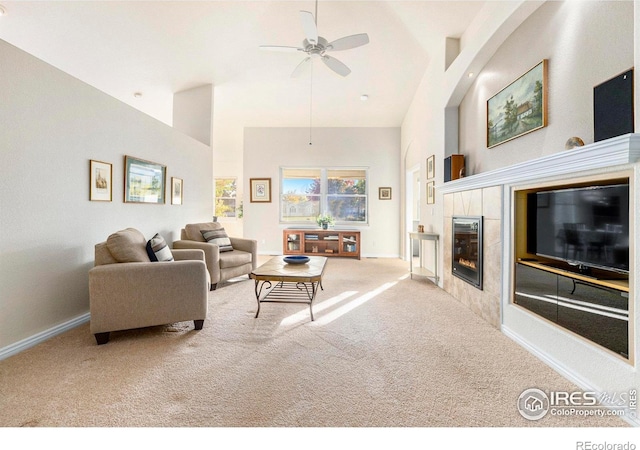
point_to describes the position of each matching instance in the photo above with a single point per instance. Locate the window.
(341, 192)
(225, 197)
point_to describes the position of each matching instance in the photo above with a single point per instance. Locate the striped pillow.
(158, 250)
(218, 237)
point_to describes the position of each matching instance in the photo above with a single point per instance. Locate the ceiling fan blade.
(309, 27)
(335, 65)
(281, 48)
(300, 68)
(349, 42)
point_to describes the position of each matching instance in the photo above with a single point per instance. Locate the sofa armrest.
(211, 251)
(185, 254)
(133, 295)
(211, 255)
(246, 245)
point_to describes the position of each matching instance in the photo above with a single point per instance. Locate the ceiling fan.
(316, 46)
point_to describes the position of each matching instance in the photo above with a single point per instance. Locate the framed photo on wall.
(144, 181)
(260, 190)
(431, 193)
(176, 191)
(431, 167)
(519, 108)
(384, 193)
(100, 181)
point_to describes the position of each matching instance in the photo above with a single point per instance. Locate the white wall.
(378, 149)
(53, 125)
(586, 43)
(193, 112)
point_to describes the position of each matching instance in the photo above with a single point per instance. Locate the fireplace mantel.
(599, 155)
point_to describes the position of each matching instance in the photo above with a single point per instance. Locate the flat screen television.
(587, 227)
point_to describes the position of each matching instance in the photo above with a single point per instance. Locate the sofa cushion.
(193, 231)
(158, 250)
(234, 259)
(128, 245)
(219, 238)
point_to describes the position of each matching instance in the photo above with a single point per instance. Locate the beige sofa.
(127, 290)
(222, 265)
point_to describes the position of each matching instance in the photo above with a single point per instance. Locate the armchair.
(223, 265)
(127, 290)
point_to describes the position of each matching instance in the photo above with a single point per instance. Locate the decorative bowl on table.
(296, 259)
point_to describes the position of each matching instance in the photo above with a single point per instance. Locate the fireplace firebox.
(467, 249)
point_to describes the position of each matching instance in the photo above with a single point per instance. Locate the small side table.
(421, 270)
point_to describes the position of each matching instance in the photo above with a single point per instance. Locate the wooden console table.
(319, 242)
(420, 269)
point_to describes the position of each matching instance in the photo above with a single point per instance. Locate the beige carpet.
(384, 351)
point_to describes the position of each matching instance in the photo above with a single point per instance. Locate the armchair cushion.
(193, 231)
(128, 245)
(219, 238)
(158, 250)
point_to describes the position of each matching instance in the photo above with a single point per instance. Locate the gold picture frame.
(260, 190)
(431, 193)
(431, 167)
(519, 108)
(100, 181)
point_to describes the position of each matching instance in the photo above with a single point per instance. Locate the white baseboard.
(31, 341)
(562, 370)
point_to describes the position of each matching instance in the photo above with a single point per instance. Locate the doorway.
(412, 209)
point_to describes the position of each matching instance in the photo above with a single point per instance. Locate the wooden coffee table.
(288, 283)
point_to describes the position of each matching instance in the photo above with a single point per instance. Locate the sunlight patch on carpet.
(303, 315)
(353, 304)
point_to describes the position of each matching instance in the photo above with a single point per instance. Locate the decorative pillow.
(128, 245)
(158, 250)
(219, 238)
(193, 231)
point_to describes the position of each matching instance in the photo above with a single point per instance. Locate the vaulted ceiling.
(157, 48)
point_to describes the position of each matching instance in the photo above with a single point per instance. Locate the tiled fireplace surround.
(486, 202)
(489, 194)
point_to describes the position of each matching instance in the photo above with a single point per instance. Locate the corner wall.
(53, 125)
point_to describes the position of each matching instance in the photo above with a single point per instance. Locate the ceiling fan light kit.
(317, 47)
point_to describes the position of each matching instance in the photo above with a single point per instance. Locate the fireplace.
(466, 261)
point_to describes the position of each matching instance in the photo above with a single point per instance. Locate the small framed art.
(144, 181)
(100, 181)
(176, 191)
(431, 193)
(384, 193)
(260, 190)
(431, 167)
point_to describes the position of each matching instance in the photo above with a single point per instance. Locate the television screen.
(613, 107)
(585, 226)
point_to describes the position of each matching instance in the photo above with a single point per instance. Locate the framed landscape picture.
(176, 191)
(260, 190)
(519, 108)
(144, 181)
(100, 181)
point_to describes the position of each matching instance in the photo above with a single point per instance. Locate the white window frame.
(215, 198)
(324, 194)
